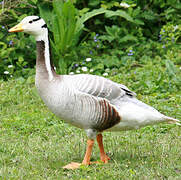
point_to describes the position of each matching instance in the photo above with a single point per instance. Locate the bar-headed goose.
(90, 102)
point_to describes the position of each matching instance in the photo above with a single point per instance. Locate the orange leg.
(103, 155)
(86, 161)
(90, 143)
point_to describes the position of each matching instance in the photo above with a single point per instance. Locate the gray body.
(90, 102)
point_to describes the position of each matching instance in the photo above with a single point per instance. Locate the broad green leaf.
(170, 68)
(112, 62)
(3, 46)
(34, 1)
(99, 66)
(107, 38)
(46, 14)
(113, 31)
(138, 21)
(149, 15)
(128, 38)
(87, 16)
(120, 13)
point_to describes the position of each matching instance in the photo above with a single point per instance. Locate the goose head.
(33, 25)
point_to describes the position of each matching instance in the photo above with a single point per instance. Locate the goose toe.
(72, 165)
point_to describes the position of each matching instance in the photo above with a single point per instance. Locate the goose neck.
(43, 63)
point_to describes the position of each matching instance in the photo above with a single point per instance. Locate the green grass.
(34, 144)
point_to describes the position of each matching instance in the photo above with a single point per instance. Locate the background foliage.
(111, 33)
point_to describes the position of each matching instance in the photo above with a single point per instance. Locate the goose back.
(99, 86)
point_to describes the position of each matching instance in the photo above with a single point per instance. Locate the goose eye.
(30, 22)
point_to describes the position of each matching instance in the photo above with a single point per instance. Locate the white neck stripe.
(47, 61)
(44, 37)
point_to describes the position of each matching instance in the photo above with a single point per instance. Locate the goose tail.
(171, 120)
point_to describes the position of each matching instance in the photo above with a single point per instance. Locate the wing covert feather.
(99, 86)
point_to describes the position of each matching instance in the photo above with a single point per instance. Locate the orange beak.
(17, 28)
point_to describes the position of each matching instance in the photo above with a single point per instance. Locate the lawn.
(35, 144)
